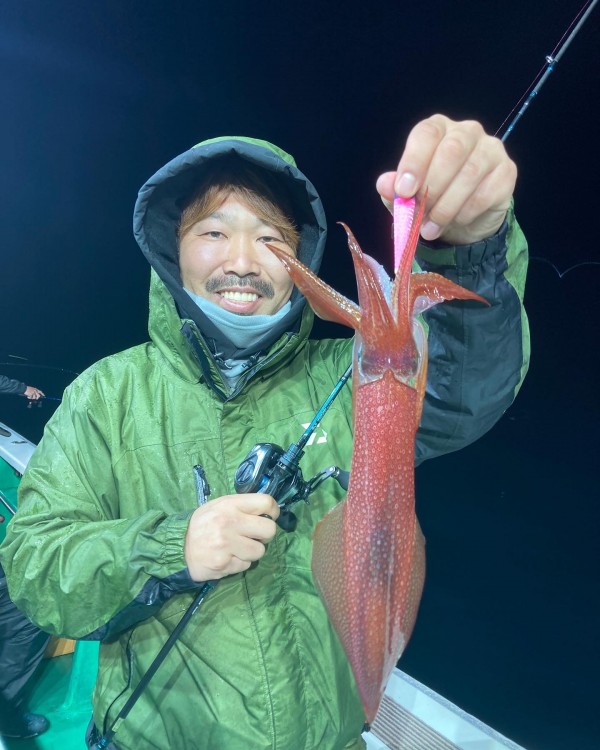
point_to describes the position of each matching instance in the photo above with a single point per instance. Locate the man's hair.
(248, 185)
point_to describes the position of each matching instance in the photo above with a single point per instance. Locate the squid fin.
(328, 567)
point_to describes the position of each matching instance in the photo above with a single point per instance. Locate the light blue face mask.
(241, 330)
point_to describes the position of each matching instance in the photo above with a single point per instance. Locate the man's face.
(224, 259)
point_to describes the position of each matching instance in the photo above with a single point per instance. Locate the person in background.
(116, 533)
(16, 388)
(22, 647)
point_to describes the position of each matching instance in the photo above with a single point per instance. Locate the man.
(113, 538)
(15, 387)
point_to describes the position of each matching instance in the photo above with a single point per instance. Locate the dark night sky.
(97, 96)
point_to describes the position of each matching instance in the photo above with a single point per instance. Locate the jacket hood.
(158, 212)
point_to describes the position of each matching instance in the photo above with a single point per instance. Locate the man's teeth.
(240, 296)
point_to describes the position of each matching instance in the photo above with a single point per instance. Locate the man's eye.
(268, 238)
(214, 234)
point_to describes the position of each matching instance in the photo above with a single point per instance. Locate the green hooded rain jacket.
(96, 548)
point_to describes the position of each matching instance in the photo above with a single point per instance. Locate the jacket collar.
(187, 352)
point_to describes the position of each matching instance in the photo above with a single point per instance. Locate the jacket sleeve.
(10, 386)
(72, 565)
(478, 355)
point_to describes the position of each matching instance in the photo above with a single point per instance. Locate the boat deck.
(62, 693)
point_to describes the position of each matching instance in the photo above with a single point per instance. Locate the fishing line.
(26, 363)
(562, 274)
(551, 61)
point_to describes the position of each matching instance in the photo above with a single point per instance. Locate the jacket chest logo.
(315, 437)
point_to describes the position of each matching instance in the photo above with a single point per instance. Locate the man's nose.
(242, 257)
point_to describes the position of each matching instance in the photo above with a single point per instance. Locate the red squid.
(368, 558)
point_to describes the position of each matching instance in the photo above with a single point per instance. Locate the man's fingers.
(250, 550)
(421, 145)
(385, 188)
(493, 193)
(246, 552)
(436, 150)
(225, 564)
(244, 515)
(261, 528)
(482, 206)
(258, 504)
(460, 163)
(227, 534)
(468, 175)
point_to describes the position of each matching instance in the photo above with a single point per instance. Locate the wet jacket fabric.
(96, 548)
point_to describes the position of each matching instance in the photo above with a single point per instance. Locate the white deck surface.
(413, 717)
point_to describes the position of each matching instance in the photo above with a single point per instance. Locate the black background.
(97, 96)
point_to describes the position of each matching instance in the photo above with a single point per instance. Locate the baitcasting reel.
(268, 468)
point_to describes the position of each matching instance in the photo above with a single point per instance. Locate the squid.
(368, 559)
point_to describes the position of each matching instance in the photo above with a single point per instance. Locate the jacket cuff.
(438, 255)
(173, 557)
(146, 604)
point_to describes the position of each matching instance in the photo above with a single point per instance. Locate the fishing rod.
(32, 402)
(28, 364)
(551, 61)
(33, 365)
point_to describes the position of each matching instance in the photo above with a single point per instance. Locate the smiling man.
(222, 248)
(113, 537)
(224, 259)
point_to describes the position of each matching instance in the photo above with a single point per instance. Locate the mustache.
(264, 288)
